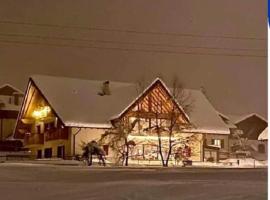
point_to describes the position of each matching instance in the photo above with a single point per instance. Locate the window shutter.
(212, 141)
(222, 143)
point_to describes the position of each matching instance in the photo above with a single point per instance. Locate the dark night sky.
(235, 84)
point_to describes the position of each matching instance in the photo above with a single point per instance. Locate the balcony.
(56, 134)
(33, 139)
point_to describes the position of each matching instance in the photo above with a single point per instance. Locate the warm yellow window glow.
(41, 112)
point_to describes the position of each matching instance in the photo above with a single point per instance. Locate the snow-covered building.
(252, 131)
(10, 102)
(252, 124)
(59, 114)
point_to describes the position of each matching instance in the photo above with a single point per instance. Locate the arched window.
(261, 148)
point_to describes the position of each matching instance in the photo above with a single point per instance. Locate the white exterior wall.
(85, 135)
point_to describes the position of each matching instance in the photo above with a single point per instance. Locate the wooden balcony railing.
(33, 139)
(56, 134)
(52, 134)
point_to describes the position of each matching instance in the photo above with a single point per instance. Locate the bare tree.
(117, 139)
(166, 128)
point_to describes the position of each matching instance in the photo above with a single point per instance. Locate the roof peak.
(238, 118)
(12, 87)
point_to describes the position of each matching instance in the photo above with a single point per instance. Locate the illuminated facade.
(60, 114)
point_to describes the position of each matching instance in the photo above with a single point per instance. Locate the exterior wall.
(146, 149)
(252, 127)
(225, 138)
(51, 144)
(84, 136)
(196, 145)
(54, 143)
(218, 154)
(7, 127)
(88, 134)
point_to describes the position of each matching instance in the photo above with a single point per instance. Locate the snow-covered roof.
(238, 118)
(16, 90)
(204, 116)
(77, 103)
(264, 134)
(226, 120)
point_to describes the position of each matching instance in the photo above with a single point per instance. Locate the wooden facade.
(40, 129)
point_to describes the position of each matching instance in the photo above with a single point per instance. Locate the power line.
(120, 42)
(129, 31)
(128, 49)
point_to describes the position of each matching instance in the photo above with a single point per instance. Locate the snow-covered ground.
(41, 181)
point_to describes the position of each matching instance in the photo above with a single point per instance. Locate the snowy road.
(27, 182)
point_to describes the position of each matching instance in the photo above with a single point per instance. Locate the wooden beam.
(149, 115)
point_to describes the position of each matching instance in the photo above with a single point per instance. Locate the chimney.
(105, 89)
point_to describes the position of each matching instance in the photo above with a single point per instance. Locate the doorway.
(39, 154)
(61, 152)
(48, 153)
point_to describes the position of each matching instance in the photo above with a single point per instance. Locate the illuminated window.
(218, 142)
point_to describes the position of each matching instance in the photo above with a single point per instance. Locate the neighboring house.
(262, 145)
(259, 147)
(251, 128)
(59, 114)
(252, 125)
(10, 102)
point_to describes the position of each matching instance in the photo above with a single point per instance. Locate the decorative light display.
(41, 112)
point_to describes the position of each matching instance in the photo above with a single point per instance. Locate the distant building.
(10, 103)
(252, 128)
(252, 125)
(59, 114)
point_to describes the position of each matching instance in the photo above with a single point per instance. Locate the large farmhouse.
(60, 114)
